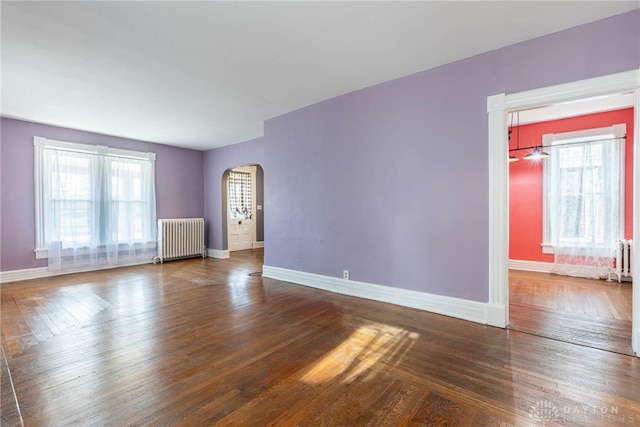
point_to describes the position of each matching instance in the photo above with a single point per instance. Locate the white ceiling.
(575, 108)
(207, 74)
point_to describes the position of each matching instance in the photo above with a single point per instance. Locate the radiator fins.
(624, 251)
(180, 238)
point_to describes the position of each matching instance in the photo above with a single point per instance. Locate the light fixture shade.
(536, 154)
(513, 159)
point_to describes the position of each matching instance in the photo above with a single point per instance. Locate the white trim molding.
(449, 306)
(498, 211)
(217, 253)
(537, 266)
(497, 108)
(580, 89)
(42, 272)
(26, 274)
(258, 245)
(635, 261)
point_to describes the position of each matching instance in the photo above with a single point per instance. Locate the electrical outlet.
(345, 274)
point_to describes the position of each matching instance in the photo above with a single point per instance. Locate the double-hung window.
(95, 205)
(583, 193)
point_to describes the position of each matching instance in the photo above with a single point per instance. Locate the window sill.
(547, 248)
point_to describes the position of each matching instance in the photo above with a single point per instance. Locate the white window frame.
(619, 131)
(41, 143)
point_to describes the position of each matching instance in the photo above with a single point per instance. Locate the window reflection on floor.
(368, 345)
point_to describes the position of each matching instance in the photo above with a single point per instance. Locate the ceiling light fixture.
(536, 154)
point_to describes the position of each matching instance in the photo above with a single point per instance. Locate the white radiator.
(180, 238)
(624, 251)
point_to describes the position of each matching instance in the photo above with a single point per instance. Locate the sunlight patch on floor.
(368, 345)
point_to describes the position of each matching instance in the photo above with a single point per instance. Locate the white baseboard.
(496, 315)
(449, 306)
(539, 266)
(26, 274)
(42, 272)
(257, 245)
(217, 253)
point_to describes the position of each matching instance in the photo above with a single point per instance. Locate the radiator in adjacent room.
(624, 251)
(180, 238)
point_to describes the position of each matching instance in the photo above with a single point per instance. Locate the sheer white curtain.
(96, 210)
(71, 209)
(584, 202)
(131, 210)
(240, 194)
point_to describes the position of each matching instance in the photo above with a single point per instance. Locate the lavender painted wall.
(391, 182)
(179, 183)
(216, 162)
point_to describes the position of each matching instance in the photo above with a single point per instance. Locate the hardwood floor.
(9, 409)
(594, 313)
(201, 342)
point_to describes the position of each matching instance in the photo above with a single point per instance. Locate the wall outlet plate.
(345, 274)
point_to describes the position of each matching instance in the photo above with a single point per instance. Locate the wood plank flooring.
(201, 342)
(9, 409)
(594, 313)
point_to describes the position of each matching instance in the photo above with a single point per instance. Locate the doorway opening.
(243, 208)
(498, 107)
(565, 214)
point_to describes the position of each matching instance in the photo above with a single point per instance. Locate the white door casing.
(497, 108)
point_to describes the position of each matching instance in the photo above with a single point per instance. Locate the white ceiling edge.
(579, 107)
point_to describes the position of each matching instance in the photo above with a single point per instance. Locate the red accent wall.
(525, 181)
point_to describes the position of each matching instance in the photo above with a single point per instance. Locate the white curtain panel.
(98, 210)
(584, 206)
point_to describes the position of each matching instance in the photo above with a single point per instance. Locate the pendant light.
(536, 154)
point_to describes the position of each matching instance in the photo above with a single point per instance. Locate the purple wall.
(391, 182)
(216, 162)
(179, 183)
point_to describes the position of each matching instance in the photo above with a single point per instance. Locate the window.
(93, 204)
(129, 201)
(70, 197)
(583, 192)
(240, 195)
